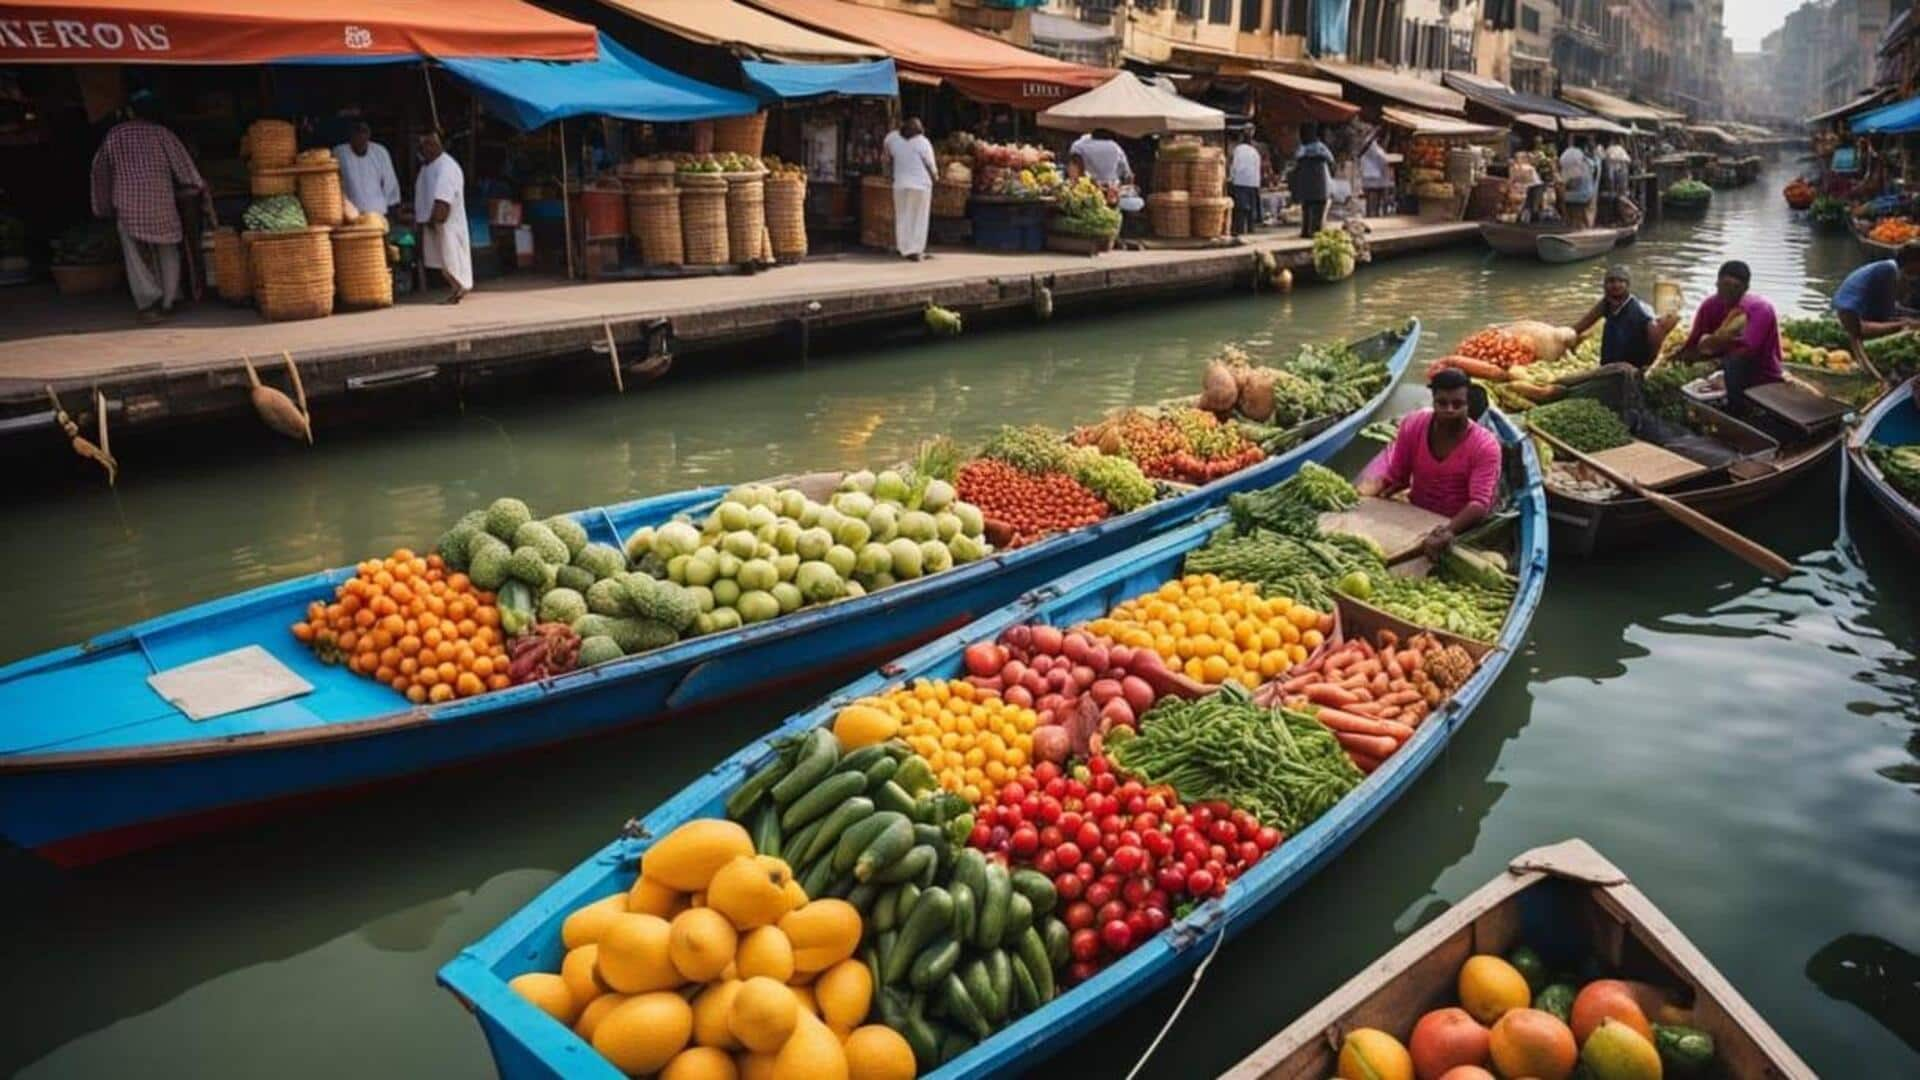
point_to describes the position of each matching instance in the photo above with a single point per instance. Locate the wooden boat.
(1513, 238)
(94, 763)
(1564, 899)
(1585, 244)
(1896, 422)
(527, 1043)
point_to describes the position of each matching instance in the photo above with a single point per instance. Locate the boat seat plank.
(1653, 466)
(1798, 406)
(1396, 525)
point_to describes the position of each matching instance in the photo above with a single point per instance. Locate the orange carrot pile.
(1373, 695)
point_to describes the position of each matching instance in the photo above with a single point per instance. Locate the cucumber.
(884, 917)
(979, 984)
(798, 840)
(825, 796)
(932, 915)
(880, 772)
(925, 810)
(892, 1005)
(864, 898)
(818, 755)
(838, 888)
(818, 876)
(929, 835)
(1684, 1051)
(904, 897)
(1059, 944)
(885, 944)
(929, 873)
(1025, 989)
(934, 962)
(744, 797)
(1038, 890)
(970, 866)
(766, 830)
(839, 820)
(889, 796)
(1000, 977)
(924, 1040)
(862, 759)
(953, 1044)
(918, 862)
(1033, 953)
(1019, 916)
(993, 907)
(961, 1007)
(889, 846)
(966, 910)
(857, 837)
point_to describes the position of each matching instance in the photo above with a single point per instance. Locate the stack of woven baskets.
(1207, 174)
(740, 134)
(293, 272)
(1210, 216)
(1198, 176)
(269, 147)
(703, 219)
(361, 275)
(746, 216)
(1170, 214)
(786, 206)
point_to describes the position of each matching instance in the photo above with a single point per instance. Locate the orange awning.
(260, 31)
(981, 67)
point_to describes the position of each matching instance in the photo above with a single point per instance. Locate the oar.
(1760, 558)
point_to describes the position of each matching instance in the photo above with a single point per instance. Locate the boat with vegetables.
(1560, 966)
(513, 631)
(992, 845)
(1883, 452)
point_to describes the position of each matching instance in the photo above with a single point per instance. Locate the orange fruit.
(1445, 1038)
(1489, 986)
(1528, 1042)
(441, 692)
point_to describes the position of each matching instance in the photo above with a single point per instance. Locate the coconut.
(1218, 390)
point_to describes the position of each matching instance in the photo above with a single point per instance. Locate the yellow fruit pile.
(974, 740)
(1216, 630)
(716, 965)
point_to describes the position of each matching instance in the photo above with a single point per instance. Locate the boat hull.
(77, 807)
(1894, 420)
(1573, 247)
(526, 1044)
(1509, 239)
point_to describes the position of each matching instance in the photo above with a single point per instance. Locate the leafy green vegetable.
(1900, 465)
(1689, 191)
(1117, 480)
(1823, 331)
(1582, 423)
(1294, 505)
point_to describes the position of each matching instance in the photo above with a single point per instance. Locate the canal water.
(1745, 750)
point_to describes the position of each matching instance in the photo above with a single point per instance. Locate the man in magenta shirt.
(1450, 464)
(1749, 358)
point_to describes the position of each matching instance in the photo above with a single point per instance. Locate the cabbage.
(788, 596)
(813, 543)
(873, 559)
(759, 574)
(938, 496)
(730, 516)
(842, 559)
(972, 522)
(853, 532)
(853, 503)
(884, 523)
(907, 557)
(819, 582)
(891, 487)
(740, 545)
(918, 525)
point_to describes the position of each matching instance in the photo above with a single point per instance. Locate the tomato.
(1199, 884)
(1223, 832)
(1247, 852)
(1127, 858)
(1070, 822)
(1085, 871)
(1139, 925)
(1079, 915)
(1135, 803)
(1104, 782)
(1085, 945)
(1081, 970)
(1046, 863)
(1069, 886)
(1011, 817)
(997, 838)
(1046, 773)
(1158, 844)
(1136, 890)
(1099, 894)
(981, 835)
(1111, 825)
(1111, 911)
(1115, 935)
(1087, 836)
(1202, 817)
(1156, 919)
(1076, 789)
(1098, 766)
(1268, 837)
(1146, 821)
(1030, 809)
(1048, 812)
(1129, 838)
(1244, 822)
(1012, 793)
(1055, 788)
(1067, 852)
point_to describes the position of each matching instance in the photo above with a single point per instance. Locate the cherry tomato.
(1098, 765)
(1049, 811)
(1069, 886)
(1046, 863)
(1010, 816)
(1055, 788)
(1099, 894)
(1268, 837)
(1158, 844)
(1136, 890)
(1085, 945)
(1046, 772)
(1171, 877)
(1146, 821)
(1081, 970)
(1223, 832)
(1156, 919)
(1127, 858)
(1105, 783)
(1012, 793)
(1139, 925)
(1088, 836)
(1199, 884)
(1109, 911)
(1067, 853)
(1135, 803)
(1115, 935)
(981, 835)
(1085, 871)
(997, 839)
(1201, 816)
(1247, 852)
(1070, 822)
(1030, 810)
(1051, 837)
(1080, 914)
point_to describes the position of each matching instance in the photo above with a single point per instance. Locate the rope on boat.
(1192, 985)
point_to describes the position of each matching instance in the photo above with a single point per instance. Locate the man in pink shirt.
(1749, 357)
(1450, 464)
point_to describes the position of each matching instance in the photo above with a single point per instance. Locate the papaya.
(687, 858)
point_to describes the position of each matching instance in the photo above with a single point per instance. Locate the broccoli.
(667, 603)
(537, 536)
(570, 532)
(573, 577)
(528, 565)
(601, 560)
(506, 515)
(608, 597)
(562, 605)
(598, 650)
(488, 566)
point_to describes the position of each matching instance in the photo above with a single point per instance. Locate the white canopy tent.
(1131, 108)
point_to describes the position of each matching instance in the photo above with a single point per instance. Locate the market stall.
(1129, 107)
(1447, 157)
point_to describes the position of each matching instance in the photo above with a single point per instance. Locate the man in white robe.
(440, 209)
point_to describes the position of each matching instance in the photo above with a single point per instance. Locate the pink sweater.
(1470, 474)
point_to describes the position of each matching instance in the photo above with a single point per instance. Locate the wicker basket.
(231, 274)
(746, 217)
(1209, 216)
(876, 212)
(703, 220)
(293, 273)
(1207, 176)
(284, 180)
(786, 205)
(950, 198)
(320, 195)
(653, 220)
(360, 275)
(78, 279)
(270, 144)
(1171, 214)
(649, 174)
(740, 134)
(1172, 174)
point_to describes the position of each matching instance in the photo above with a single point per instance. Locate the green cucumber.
(863, 898)
(885, 945)
(993, 907)
(929, 835)
(862, 759)
(825, 796)
(766, 830)
(838, 888)
(955, 1043)
(858, 836)
(1059, 943)
(1019, 916)
(1038, 890)
(891, 1004)
(932, 915)
(904, 897)
(934, 962)
(888, 847)
(966, 910)
(1033, 953)
(744, 797)
(1024, 987)
(915, 776)
(916, 863)
(818, 755)
(880, 772)
(961, 1006)
(1000, 977)
(839, 820)
(924, 1040)
(970, 866)
(884, 917)
(889, 796)
(979, 983)
(798, 841)
(930, 873)
(818, 875)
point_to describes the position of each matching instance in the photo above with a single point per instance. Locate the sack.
(1256, 394)
(1549, 342)
(1218, 390)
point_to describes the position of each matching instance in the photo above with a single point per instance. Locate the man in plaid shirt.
(136, 173)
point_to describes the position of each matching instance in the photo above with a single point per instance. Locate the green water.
(1745, 750)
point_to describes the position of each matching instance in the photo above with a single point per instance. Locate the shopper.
(366, 171)
(1312, 176)
(440, 208)
(138, 171)
(911, 162)
(1243, 183)
(1376, 177)
(1577, 184)
(1749, 355)
(1101, 159)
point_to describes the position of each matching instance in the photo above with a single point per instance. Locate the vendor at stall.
(1376, 177)
(1243, 183)
(1577, 183)
(911, 163)
(137, 173)
(1868, 301)
(366, 171)
(1447, 463)
(1748, 354)
(440, 208)
(1101, 159)
(1312, 179)
(1632, 334)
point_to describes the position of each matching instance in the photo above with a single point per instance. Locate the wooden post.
(566, 200)
(613, 357)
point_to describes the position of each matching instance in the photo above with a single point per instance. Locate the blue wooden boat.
(526, 1043)
(1895, 421)
(94, 763)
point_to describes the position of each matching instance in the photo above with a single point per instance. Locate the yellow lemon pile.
(1216, 630)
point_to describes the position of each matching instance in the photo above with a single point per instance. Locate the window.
(1529, 19)
(1251, 15)
(1220, 11)
(1188, 9)
(1292, 16)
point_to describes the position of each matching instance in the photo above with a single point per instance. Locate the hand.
(1436, 543)
(1666, 323)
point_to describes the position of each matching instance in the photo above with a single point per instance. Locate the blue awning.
(532, 93)
(780, 82)
(1900, 118)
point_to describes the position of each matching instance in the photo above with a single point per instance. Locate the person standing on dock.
(1312, 178)
(1576, 184)
(366, 172)
(1376, 176)
(1632, 334)
(1243, 182)
(1748, 354)
(910, 160)
(137, 173)
(1101, 159)
(1448, 464)
(440, 208)
(1868, 302)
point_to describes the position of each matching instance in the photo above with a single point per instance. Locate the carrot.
(1369, 668)
(1344, 721)
(1392, 664)
(1388, 639)
(1354, 682)
(1412, 660)
(1401, 697)
(1479, 369)
(1366, 763)
(1328, 694)
(1379, 746)
(1300, 682)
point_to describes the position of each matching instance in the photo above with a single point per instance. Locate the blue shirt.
(1870, 292)
(1624, 341)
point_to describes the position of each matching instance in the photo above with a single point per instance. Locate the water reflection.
(1875, 976)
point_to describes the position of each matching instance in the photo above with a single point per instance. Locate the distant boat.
(1895, 421)
(1514, 238)
(1585, 244)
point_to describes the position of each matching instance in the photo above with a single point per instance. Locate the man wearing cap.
(1749, 354)
(1632, 334)
(136, 174)
(1868, 302)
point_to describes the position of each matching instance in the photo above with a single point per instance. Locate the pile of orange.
(1215, 630)
(1894, 230)
(409, 623)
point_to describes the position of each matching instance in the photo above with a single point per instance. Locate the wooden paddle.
(1760, 558)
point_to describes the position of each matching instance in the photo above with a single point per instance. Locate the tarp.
(1442, 127)
(1614, 108)
(1504, 99)
(1133, 109)
(1296, 105)
(744, 30)
(1901, 118)
(530, 93)
(1405, 89)
(1593, 125)
(1716, 134)
(981, 67)
(264, 31)
(780, 82)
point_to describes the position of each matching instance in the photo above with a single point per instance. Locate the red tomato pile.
(1123, 857)
(1022, 507)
